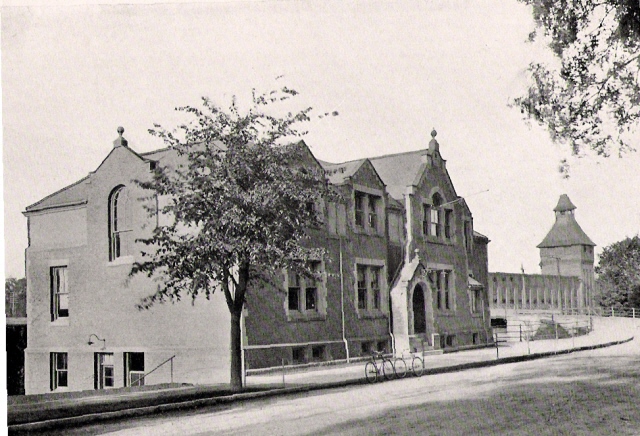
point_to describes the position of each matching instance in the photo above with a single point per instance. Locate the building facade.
(404, 269)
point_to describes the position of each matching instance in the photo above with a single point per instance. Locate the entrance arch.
(419, 316)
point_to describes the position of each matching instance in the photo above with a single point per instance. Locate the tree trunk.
(236, 350)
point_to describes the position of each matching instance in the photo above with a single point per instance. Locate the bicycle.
(375, 371)
(400, 364)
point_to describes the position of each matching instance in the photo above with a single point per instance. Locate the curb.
(59, 423)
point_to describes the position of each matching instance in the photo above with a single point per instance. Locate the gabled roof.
(341, 172)
(399, 170)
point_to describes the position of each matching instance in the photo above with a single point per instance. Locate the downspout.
(344, 337)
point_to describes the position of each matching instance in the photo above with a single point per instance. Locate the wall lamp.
(104, 341)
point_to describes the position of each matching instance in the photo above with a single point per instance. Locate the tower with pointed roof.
(568, 251)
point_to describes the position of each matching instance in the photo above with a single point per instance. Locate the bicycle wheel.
(401, 367)
(371, 372)
(388, 370)
(417, 366)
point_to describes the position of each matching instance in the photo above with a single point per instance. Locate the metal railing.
(170, 360)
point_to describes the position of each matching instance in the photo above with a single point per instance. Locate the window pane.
(294, 293)
(61, 360)
(62, 378)
(310, 298)
(359, 209)
(136, 361)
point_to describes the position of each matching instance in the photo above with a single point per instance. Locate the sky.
(394, 70)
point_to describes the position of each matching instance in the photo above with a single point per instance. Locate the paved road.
(592, 392)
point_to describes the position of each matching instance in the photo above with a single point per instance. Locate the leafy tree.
(242, 203)
(14, 296)
(619, 274)
(591, 100)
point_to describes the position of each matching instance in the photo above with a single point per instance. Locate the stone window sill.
(305, 316)
(371, 314)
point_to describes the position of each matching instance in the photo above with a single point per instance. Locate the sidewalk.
(42, 412)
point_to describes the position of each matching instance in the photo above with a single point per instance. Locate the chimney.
(120, 141)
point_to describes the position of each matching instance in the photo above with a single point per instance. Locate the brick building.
(404, 269)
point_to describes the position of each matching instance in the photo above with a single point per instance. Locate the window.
(359, 206)
(362, 287)
(475, 338)
(466, 235)
(59, 370)
(298, 355)
(369, 282)
(317, 352)
(119, 223)
(447, 300)
(366, 347)
(294, 291)
(476, 300)
(441, 283)
(133, 369)
(104, 376)
(374, 276)
(373, 217)
(303, 291)
(436, 228)
(448, 214)
(426, 213)
(367, 208)
(59, 293)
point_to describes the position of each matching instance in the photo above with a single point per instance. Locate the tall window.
(441, 283)
(359, 206)
(369, 291)
(133, 369)
(374, 276)
(373, 216)
(362, 287)
(447, 297)
(104, 376)
(303, 291)
(59, 370)
(436, 228)
(367, 211)
(426, 213)
(119, 223)
(59, 293)
(448, 214)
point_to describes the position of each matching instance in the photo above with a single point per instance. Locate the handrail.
(169, 359)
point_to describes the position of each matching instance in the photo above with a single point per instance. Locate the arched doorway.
(419, 318)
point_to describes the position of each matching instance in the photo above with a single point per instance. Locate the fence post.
(171, 370)
(520, 332)
(612, 312)
(496, 342)
(283, 383)
(556, 325)
(633, 312)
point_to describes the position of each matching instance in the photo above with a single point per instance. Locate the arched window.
(119, 223)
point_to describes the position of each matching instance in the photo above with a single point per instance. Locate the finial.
(120, 141)
(434, 133)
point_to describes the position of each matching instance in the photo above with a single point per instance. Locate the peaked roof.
(564, 204)
(399, 170)
(565, 231)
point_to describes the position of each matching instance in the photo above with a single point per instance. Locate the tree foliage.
(619, 274)
(15, 296)
(241, 204)
(591, 101)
